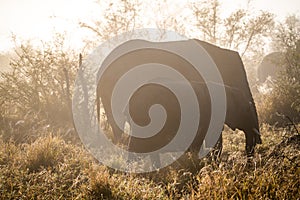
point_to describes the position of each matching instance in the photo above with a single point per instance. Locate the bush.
(44, 153)
(282, 105)
(36, 92)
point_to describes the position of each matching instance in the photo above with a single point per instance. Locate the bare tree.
(257, 27)
(207, 15)
(119, 16)
(240, 31)
(171, 18)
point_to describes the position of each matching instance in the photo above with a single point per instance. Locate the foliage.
(36, 91)
(241, 31)
(284, 100)
(118, 17)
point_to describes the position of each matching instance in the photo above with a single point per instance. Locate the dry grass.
(49, 168)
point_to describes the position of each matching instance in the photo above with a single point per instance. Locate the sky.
(38, 19)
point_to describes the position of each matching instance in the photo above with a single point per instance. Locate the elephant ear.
(230, 66)
(241, 113)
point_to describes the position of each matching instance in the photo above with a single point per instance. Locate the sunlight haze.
(36, 19)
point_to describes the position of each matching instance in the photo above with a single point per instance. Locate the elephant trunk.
(257, 136)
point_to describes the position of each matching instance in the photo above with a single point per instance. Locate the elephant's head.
(241, 114)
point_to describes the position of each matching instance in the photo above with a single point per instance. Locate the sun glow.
(36, 19)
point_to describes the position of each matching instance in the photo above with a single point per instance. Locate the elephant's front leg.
(117, 132)
(216, 151)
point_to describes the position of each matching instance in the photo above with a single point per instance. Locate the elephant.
(241, 111)
(271, 66)
(151, 94)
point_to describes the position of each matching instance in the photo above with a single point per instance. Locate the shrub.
(45, 152)
(37, 88)
(283, 103)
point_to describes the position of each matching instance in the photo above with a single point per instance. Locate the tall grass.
(50, 168)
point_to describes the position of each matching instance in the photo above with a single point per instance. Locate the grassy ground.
(50, 168)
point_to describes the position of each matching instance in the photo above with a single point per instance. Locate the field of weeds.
(50, 168)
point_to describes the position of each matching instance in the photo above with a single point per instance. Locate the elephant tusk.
(256, 131)
(257, 138)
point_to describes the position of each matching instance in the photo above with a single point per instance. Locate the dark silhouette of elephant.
(270, 67)
(151, 94)
(241, 111)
